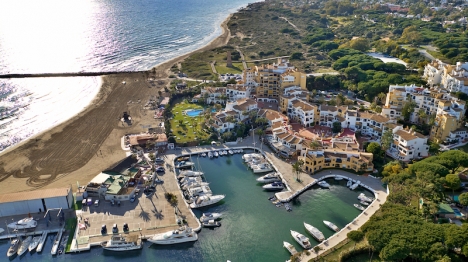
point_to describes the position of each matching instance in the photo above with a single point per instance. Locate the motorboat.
(42, 241)
(202, 201)
(355, 185)
(338, 178)
(331, 225)
(220, 153)
(120, 243)
(184, 164)
(203, 190)
(290, 248)
(241, 150)
(190, 185)
(183, 158)
(364, 203)
(262, 168)
(56, 244)
(323, 184)
(14, 245)
(250, 157)
(269, 178)
(359, 207)
(211, 223)
(225, 152)
(349, 183)
(181, 235)
(301, 239)
(215, 154)
(287, 206)
(190, 173)
(364, 198)
(210, 155)
(25, 223)
(317, 234)
(203, 154)
(274, 186)
(34, 243)
(231, 152)
(189, 181)
(210, 216)
(24, 246)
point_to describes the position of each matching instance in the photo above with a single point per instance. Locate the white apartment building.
(236, 92)
(213, 95)
(232, 114)
(433, 72)
(455, 78)
(408, 145)
(302, 112)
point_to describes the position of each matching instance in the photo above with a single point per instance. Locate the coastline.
(25, 161)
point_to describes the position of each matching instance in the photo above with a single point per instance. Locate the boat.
(42, 241)
(287, 206)
(120, 243)
(262, 168)
(14, 245)
(225, 152)
(25, 223)
(301, 239)
(203, 201)
(34, 243)
(56, 244)
(317, 234)
(355, 185)
(274, 186)
(1, 230)
(323, 184)
(24, 246)
(210, 216)
(184, 164)
(349, 183)
(189, 173)
(221, 153)
(269, 178)
(215, 154)
(290, 248)
(181, 235)
(338, 178)
(203, 190)
(203, 154)
(364, 203)
(364, 198)
(191, 184)
(183, 158)
(331, 225)
(231, 152)
(188, 181)
(210, 155)
(359, 207)
(211, 223)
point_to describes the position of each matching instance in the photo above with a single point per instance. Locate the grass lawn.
(186, 128)
(221, 68)
(70, 225)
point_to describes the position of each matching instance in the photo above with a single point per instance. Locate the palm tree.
(422, 115)
(314, 144)
(297, 168)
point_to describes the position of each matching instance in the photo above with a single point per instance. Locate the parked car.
(132, 198)
(103, 229)
(160, 169)
(125, 227)
(115, 229)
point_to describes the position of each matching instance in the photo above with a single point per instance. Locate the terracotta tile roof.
(270, 114)
(405, 135)
(379, 118)
(303, 105)
(32, 195)
(276, 125)
(328, 108)
(295, 141)
(282, 136)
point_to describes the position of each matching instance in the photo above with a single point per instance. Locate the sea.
(252, 228)
(57, 36)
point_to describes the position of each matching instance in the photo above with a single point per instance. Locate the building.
(408, 145)
(444, 125)
(318, 159)
(290, 94)
(236, 92)
(233, 113)
(433, 72)
(115, 186)
(455, 78)
(304, 113)
(213, 95)
(21, 203)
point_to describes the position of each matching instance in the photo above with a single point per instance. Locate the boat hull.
(173, 241)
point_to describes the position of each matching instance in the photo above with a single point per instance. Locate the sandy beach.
(83, 146)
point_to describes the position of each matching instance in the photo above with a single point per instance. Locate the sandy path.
(88, 143)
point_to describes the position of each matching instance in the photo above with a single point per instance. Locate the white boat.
(301, 239)
(211, 223)
(188, 181)
(24, 246)
(210, 155)
(231, 152)
(25, 223)
(56, 244)
(331, 225)
(364, 198)
(189, 173)
(290, 248)
(274, 186)
(181, 235)
(120, 243)
(323, 184)
(262, 168)
(34, 243)
(359, 207)
(269, 178)
(317, 234)
(355, 185)
(210, 216)
(364, 203)
(338, 178)
(190, 185)
(203, 190)
(215, 154)
(225, 152)
(14, 245)
(203, 201)
(349, 183)
(42, 241)
(203, 154)
(184, 164)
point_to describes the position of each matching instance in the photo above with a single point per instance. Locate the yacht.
(331, 225)
(203, 201)
(317, 234)
(274, 186)
(359, 207)
(203, 190)
(190, 173)
(56, 244)
(225, 152)
(269, 178)
(349, 183)
(290, 248)
(323, 184)
(25, 223)
(211, 223)
(191, 184)
(42, 241)
(181, 235)
(338, 178)
(34, 242)
(210, 155)
(210, 216)
(231, 152)
(364, 203)
(301, 239)
(120, 243)
(215, 154)
(262, 168)
(14, 245)
(364, 198)
(203, 154)
(184, 164)
(24, 246)
(189, 181)
(355, 185)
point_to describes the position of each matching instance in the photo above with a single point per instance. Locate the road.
(293, 25)
(426, 54)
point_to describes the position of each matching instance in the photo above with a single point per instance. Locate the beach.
(83, 146)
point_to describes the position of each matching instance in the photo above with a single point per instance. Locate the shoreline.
(22, 161)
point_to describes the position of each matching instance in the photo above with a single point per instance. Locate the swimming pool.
(196, 112)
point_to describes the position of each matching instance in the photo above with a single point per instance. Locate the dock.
(42, 241)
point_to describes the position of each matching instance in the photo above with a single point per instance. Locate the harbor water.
(252, 228)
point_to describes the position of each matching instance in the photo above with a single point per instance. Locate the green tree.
(455, 159)
(407, 109)
(336, 128)
(226, 135)
(453, 182)
(386, 141)
(373, 148)
(297, 168)
(463, 199)
(360, 44)
(356, 236)
(411, 35)
(296, 56)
